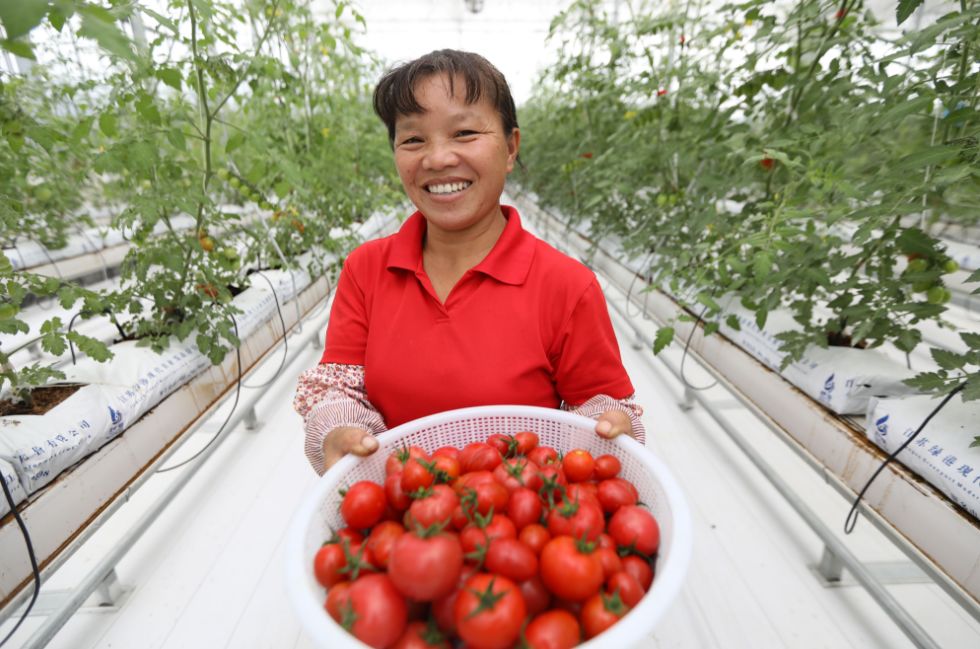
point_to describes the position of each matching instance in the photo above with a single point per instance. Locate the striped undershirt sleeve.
(329, 396)
(601, 403)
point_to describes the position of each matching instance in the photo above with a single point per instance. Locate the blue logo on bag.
(828, 389)
(118, 425)
(882, 425)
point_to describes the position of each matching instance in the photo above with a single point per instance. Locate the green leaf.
(927, 381)
(946, 359)
(19, 48)
(170, 76)
(925, 157)
(733, 322)
(235, 140)
(176, 137)
(971, 339)
(976, 440)
(665, 335)
(163, 20)
(82, 129)
(148, 110)
(105, 33)
(761, 315)
(94, 349)
(971, 392)
(915, 241)
(57, 18)
(21, 16)
(108, 124)
(762, 264)
(905, 9)
(908, 339)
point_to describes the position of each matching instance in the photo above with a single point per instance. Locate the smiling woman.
(462, 307)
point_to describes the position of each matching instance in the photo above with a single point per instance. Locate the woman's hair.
(395, 93)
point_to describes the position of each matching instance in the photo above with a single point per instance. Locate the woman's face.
(453, 158)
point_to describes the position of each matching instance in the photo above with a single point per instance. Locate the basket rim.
(654, 604)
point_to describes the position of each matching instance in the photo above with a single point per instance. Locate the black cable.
(71, 346)
(851, 520)
(238, 391)
(30, 553)
(629, 291)
(687, 346)
(285, 338)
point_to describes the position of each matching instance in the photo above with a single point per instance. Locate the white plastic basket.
(319, 512)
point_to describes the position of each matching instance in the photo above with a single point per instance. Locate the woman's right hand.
(347, 439)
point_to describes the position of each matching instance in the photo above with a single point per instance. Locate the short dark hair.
(395, 93)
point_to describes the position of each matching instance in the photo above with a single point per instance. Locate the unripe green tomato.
(921, 287)
(222, 173)
(938, 295)
(950, 266)
(235, 182)
(266, 205)
(918, 265)
(229, 253)
(43, 193)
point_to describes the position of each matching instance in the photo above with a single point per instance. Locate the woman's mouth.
(446, 189)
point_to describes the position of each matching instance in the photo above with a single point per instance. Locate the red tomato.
(576, 519)
(578, 465)
(425, 568)
(611, 563)
(500, 527)
(472, 538)
(337, 598)
(615, 493)
(397, 497)
(460, 520)
(584, 492)
(575, 608)
(635, 528)
(375, 613)
(379, 543)
(446, 451)
(364, 504)
(417, 475)
(607, 466)
(442, 608)
(629, 589)
(479, 456)
(446, 468)
(510, 558)
(606, 541)
(487, 496)
(535, 536)
(348, 533)
(518, 472)
(554, 629)
(570, 569)
(542, 455)
(327, 562)
(503, 443)
(536, 595)
(489, 612)
(553, 482)
(640, 569)
(419, 635)
(398, 459)
(436, 508)
(524, 507)
(526, 442)
(600, 612)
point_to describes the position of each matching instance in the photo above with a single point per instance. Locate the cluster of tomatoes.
(500, 544)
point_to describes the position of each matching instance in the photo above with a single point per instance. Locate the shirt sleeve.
(600, 403)
(347, 329)
(332, 395)
(586, 356)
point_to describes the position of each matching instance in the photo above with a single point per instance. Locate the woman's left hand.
(612, 423)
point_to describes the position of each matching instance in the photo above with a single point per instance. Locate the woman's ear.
(513, 147)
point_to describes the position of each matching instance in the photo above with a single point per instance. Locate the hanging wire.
(30, 553)
(629, 292)
(687, 346)
(285, 338)
(238, 392)
(852, 516)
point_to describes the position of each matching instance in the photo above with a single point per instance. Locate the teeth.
(448, 188)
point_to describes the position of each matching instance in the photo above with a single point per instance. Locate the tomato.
(446, 451)
(524, 507)
(536, 595)
(576, 519)
(381, 540)
(570, 569)
(479, 456)
(486, 496)
(446, 468)
(510, 558)
(629, 589)
(553, 482)
(416, 475)
(575, 608)
(425, 567)
(459, 520)
(578, 465)
(505, 444)
(542, 455)
(767, 163)
(442, 608)
(526, 441)
(436, 508)
(640, 569)
(635, 528)
(375, 612)
(363, 505)
(489, 612)
(337, 598)
(397, 497)
(327, 562)
(607, 466)
(584, 492)
(396, 461)
(611, 563)
(420, 635)
(348, 533)
(600, 612)
(518, 472)
(615, 493)
(472, 538)
(606, 541)
(535, 536)
(554, 629)
(500, 527)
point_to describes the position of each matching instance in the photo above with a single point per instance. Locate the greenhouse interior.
(675, 307)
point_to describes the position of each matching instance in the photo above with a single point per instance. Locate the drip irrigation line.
(687, 347)
(852, 516)
(238, 392)
(629, 292)
(30, 553)
(285, 338)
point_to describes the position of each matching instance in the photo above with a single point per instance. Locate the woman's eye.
(465, 133)
(411, 140)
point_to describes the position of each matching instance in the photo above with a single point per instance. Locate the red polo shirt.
(527, 325)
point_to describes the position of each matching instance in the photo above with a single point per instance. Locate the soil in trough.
(43, 399)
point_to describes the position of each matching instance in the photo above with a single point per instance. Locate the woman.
(461, 307)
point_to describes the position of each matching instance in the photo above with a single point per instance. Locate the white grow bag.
(13, 485)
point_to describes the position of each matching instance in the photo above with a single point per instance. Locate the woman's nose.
(440, 155)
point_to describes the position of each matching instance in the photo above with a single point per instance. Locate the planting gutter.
(934, 532)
